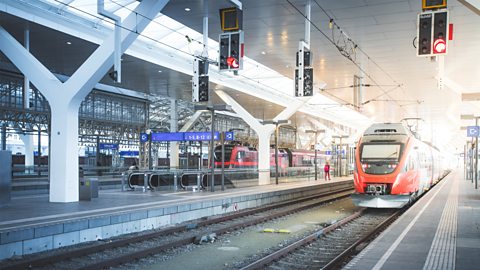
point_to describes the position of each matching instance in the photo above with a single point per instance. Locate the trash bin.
(84, 190)
(5, 177)
(88, 189)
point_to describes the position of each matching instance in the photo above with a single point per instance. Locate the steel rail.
(149, 251)
(82, 251)
(302, 242)
(333, 264)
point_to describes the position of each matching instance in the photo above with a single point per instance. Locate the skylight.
(168, 35)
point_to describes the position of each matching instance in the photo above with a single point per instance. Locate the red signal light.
(439, 46)
(232, 62)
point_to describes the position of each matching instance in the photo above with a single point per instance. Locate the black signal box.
(231, 19)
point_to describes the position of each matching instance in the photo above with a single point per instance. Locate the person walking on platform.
(326, 169)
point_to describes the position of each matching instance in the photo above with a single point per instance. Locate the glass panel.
(381, 151)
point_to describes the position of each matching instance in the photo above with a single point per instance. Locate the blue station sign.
(129, 153)
(184, 136)
(167, 137)
(472, 131)
(143, 137)
(112, 146)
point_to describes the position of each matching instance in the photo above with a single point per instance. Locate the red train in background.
(239, 156)
(393, 168)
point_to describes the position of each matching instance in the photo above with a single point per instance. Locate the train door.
(240, 159)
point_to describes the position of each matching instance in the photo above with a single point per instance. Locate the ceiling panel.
(383, 29)
(371, 10)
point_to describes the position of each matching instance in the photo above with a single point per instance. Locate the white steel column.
(174, 146)
(65, 98)
(264, 132)
(27, 139)
(264, 154)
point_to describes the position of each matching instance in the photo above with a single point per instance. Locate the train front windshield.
(218, 153)
(380, 158)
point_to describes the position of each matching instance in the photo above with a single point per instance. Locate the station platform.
(441, 231)
(31, 224)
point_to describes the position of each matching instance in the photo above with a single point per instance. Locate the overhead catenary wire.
(130, 30)
(153, 39)
(332, 20)
(333, 23)
(189, 39)
(101, 18)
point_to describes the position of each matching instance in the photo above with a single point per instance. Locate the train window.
(218, 153)
(380, 158)
(381, 151)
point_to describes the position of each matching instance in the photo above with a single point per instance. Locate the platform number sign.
(433, 4)
(473, 131)
(143, 137)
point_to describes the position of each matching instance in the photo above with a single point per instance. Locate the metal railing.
(26, 179)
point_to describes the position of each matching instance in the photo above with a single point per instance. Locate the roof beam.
(471, 96)
(467, 117)
(473, 5)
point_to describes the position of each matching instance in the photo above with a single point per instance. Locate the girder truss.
(109, 116)
(114, 118)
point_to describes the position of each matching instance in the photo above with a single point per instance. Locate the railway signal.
(432, 33)
(440, 32)
(303, 72)
(200, 80)
(231, 51)
(424, 34)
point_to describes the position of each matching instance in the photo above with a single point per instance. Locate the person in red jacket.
(326, 169)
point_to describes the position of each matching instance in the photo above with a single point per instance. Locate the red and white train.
(239, 156)
(392, 167)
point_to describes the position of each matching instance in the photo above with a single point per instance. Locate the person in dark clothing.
(99, 170)
(326, 169)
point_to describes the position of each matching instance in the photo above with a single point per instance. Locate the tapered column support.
(64, 153)
(27, 140)
(264, 132)
(65, 98)
(264, 155)
(174, 146)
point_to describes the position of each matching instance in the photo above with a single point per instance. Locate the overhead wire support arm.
(117, 65)
(308, 11)
(344, 44)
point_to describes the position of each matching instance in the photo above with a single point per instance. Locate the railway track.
(116, 252)
(330, 247)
